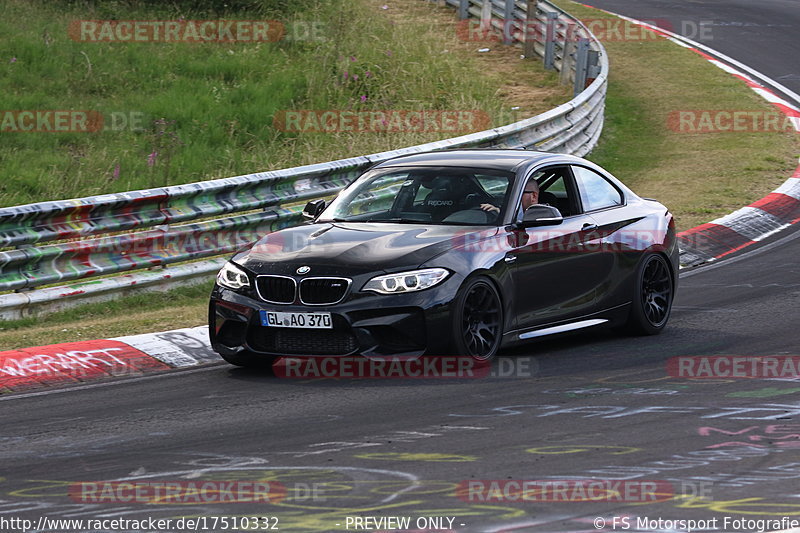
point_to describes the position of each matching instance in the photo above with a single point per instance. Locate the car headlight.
(414, 280)
(233, 277)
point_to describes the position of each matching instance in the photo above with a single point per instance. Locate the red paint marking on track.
(714, 239)
(702, 228)
(735, 249)
(73, 362)
(657, 30)
(781, 206)
(750, 83)
(786, 110)
(703, 54)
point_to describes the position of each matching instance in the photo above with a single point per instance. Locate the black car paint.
(538, 288)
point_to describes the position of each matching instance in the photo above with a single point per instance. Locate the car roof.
(509, 160)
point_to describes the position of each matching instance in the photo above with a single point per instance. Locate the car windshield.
(427, 195)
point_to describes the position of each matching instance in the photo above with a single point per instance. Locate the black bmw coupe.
(451, 253)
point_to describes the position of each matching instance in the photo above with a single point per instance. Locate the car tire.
(250, 360)
(652, 297)
(478, 320)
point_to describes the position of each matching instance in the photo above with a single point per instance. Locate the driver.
(530, 196)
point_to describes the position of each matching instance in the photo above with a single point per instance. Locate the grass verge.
(129, 315)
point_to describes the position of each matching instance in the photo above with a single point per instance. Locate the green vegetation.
(128, 315)
(206, 110)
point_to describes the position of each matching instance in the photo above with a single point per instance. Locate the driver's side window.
(554, 189)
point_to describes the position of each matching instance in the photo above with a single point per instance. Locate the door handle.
(510, 258)
(589, 227)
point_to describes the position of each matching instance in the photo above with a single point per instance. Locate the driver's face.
(529, 197)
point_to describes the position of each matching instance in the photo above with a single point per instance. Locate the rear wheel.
(478, 320)
(652, 298)
(250, 360)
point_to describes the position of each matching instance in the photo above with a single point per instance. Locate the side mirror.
(313, 209)
(541, 215)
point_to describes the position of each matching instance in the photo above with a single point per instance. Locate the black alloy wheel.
(479, 324)
(652, 300)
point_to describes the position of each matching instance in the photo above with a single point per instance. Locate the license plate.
(280, 319)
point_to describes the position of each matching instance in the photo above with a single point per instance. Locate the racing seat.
(441, 201)
(548, 198)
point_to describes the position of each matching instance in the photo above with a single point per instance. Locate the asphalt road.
(762, 35)
(587, 406)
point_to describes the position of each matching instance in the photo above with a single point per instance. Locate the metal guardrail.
(71, 240)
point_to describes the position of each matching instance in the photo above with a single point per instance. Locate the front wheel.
(652, 297)
(478, 320)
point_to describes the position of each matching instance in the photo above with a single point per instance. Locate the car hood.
(355, 247)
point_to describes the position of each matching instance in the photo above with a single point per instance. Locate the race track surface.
(596, 405)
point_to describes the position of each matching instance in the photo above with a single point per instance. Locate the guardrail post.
(463, 9)
(550, 41)
(486, 16)
(568, 55)
(508, 22)
(23, 289)
(581, 65)
(593, 66)
(530, 30)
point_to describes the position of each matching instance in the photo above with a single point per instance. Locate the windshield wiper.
(398, 220)
(366, 220)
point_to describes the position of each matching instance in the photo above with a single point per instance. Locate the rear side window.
(596, 191)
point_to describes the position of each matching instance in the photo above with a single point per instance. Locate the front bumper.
(369, 324)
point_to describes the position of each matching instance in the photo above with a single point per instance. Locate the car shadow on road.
(572, 354)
